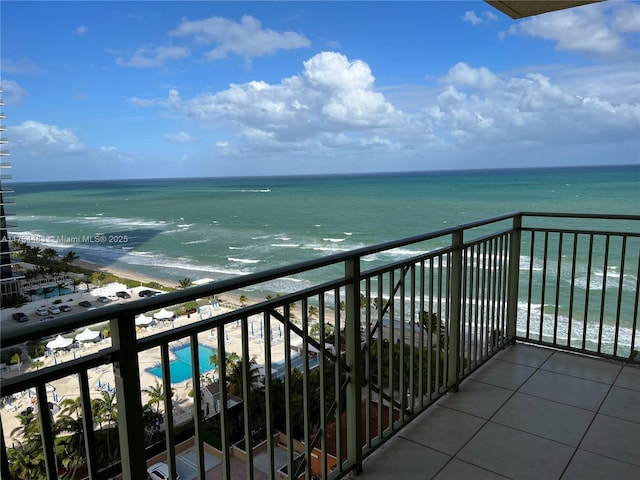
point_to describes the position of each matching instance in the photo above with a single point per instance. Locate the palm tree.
(29, 429)
(60, 286)
(185, 282)
(86, 279)
(36, 364)
(49, 254)
(107, 412)
(312, 311)
(232, 358)
(235, 376)
(99, 278)
(155, 395)
(243, 300)
(73, 447)
(71, 406)
(26, 460)
(69, 258)
(151, 420)
(76, 281)
(31, 292)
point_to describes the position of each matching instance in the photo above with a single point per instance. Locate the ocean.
(217, 228)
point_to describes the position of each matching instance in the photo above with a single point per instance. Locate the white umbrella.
(163, 315)
(59, 342)
(87, 335)
(142, 320)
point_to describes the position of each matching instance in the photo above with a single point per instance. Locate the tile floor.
(529, 413)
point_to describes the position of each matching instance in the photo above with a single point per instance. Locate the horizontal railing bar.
(580, 231)
(599, 216)
(23, 381)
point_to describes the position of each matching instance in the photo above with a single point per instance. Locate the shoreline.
(124, 273)
(229, 297)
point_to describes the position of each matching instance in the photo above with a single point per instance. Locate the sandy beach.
(122, 273)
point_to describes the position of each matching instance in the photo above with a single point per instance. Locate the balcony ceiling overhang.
(524, 8)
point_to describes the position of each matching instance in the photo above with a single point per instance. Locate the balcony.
(530, 412)
(507, 346)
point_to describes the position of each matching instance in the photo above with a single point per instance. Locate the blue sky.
(119, 89)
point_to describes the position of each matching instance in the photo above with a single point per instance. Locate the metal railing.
(329, 372)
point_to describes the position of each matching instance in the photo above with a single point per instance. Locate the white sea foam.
(334, 240)
(285, 245)
(242, 260)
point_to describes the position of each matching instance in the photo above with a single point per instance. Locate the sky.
(162, 89)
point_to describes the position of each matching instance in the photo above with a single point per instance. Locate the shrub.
(11, 356)
(36, 349)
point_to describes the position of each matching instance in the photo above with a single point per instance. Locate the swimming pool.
(39, 292)
(180, 367)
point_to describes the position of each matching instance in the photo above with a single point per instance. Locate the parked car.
(104, 299)
(43, 319)
(84, 303)
(159, 471)
(146, 293)
(20, 317)
(123, 294)
(42, 311)
(65, 308)
(53, 310)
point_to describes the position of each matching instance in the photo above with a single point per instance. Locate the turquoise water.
(218, 228)
(180, 367)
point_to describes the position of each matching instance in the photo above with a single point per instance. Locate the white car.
(42, 311)
(54, 310)
(159, 471)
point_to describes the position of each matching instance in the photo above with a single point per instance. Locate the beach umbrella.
(163, 314)
(99, 384)
(87, 335)
(143, 320)
(59, 342)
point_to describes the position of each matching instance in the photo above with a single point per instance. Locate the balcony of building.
(529, 412)
(504, 348)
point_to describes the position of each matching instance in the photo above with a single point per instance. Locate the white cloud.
(332, 94)
(41, 139)
(529, 108)
(81, 30)
(13, 93)
(180, 137)
(146, 57)
(471, 17)
(22, 66)
(463, 75)
(332, 108)
(596, 28)
(246, 38)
